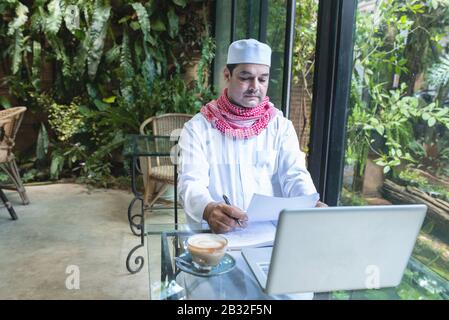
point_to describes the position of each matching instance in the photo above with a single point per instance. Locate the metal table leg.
(137, 227)
(176, 193)
(139, 260)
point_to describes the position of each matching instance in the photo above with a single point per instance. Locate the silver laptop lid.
(343, 248)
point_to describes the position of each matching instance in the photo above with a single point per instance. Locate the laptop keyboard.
(264, 266)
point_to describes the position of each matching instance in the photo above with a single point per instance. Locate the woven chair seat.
(165, 173)
(4, 155)
(10, 120)
(158, 169)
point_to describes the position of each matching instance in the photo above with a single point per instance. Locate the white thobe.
(212, 165)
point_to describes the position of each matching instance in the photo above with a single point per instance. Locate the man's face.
(248, 85)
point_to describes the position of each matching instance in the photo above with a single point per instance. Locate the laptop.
(337, 248)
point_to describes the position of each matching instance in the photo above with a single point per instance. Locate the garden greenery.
(111, 65)
(387, 116)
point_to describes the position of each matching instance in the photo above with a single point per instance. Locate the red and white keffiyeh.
(224, 116)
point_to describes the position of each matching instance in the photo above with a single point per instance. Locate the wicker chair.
(159, 169)
(12, 118)
(4, 141)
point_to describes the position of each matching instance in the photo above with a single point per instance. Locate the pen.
(226, 199)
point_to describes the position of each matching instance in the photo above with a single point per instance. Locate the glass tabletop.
(147, 145)
(164, 243)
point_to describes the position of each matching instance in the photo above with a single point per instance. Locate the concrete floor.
(68, 225)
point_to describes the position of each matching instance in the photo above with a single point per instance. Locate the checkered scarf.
(223, 115)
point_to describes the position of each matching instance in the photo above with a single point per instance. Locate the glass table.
(167, 282)
(136, 146)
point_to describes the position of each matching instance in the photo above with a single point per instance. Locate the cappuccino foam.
(207, 241)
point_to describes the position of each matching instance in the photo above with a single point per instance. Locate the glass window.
(248, 15)
(222, 38)
(397, 148)
(277, 14)
(248, 23)
(303, 69)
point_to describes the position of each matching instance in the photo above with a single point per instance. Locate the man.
(238, 145)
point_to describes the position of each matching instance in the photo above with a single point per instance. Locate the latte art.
(208, 242)
(206, 249)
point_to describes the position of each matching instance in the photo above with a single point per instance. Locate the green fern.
(127, 70)
(42, 143)
(38, 21)
(79, 60)
(71, 15)
(36, 81)
(15, 28)
(113, 54)
(86, 10)
(18, 49)
(126, 59)
(181, 3)
(173, 21)
(439, 73)
(148, 69)
(54, 19)
(97, 35)
(144, 21)
(148, 72)
(20, 19)
(61, 55)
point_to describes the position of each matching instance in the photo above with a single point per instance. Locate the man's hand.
(223, 218)
(320, 204)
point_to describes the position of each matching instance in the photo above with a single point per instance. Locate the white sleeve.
(193, 175)
(294, 178)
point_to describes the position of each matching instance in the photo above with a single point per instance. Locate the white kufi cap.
(249, 51)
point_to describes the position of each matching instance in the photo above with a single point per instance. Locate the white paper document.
(267, 208)
(257, 234)
(263, 213)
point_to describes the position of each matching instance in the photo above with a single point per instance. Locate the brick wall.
(300, 114)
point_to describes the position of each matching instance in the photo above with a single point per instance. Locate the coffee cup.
(206, 249)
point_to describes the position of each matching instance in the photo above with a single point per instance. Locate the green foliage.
(115, 63)
(352, 199)
(4, 102)
(304, 47)
(3, 177)
(54, 18)
(142, 16)
(431, 156)
(439, 73)
(16, 29)
(181, 3)
(65, 120)
(203, 71)
(127, 70)
(20, 19)
(384, 116)
(173, 22)
(97, 35)
(36, 81)
(411, 177)
(42, 143)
